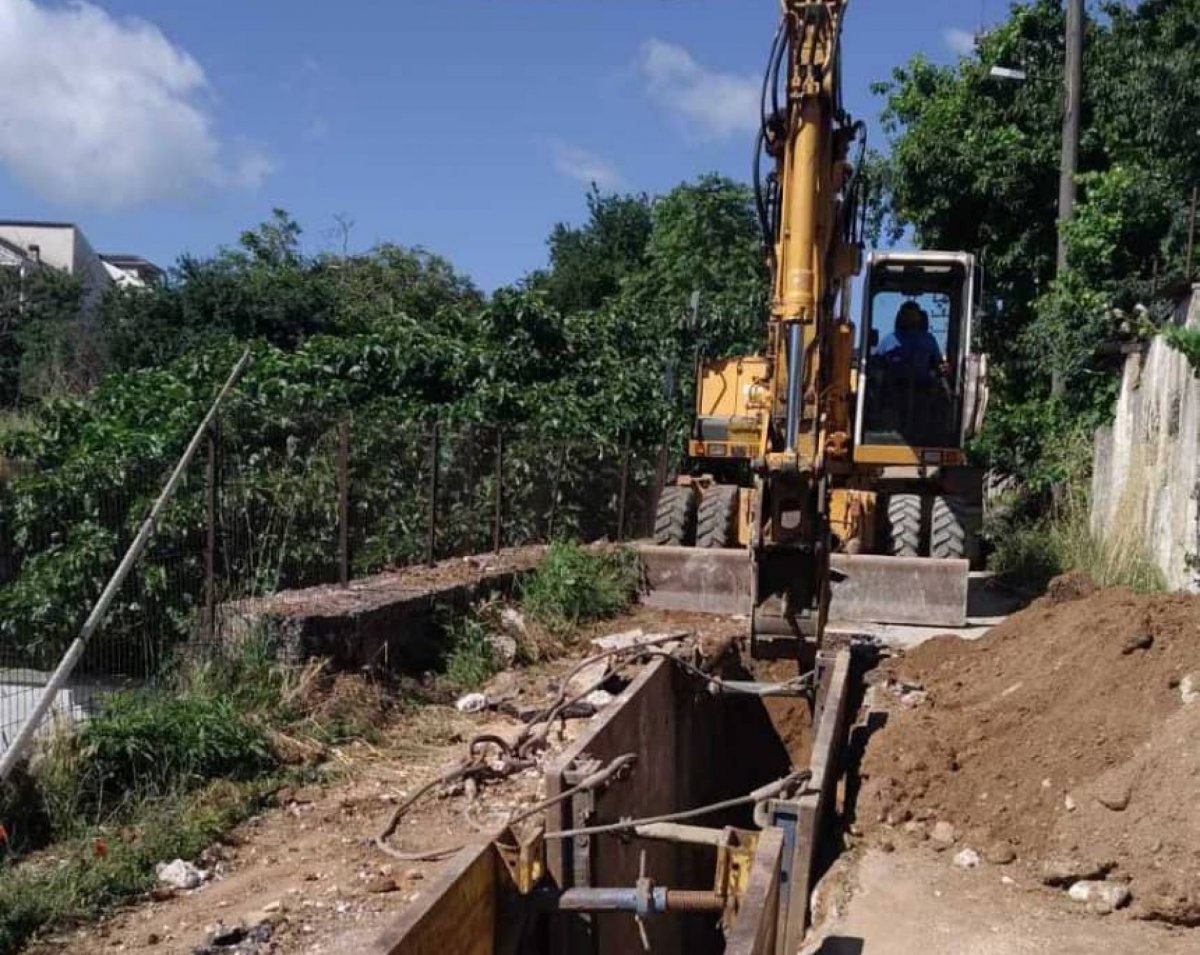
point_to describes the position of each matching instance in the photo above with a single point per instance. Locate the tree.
(45, 345)
(588, 263)
(973, 165)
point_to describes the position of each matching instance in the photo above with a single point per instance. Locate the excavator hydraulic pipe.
(795, 390)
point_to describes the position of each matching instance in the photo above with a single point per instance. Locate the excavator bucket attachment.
(919, 591)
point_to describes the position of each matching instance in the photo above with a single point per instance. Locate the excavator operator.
(914, 374)
(911, 351)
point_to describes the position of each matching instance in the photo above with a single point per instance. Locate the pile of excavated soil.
(1064, 733)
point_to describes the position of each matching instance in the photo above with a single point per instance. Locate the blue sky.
(466, 126)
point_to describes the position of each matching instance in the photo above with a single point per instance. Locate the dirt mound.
(1073, 586)
(1063, 732)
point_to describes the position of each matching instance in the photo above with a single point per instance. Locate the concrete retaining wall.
(1147, 462)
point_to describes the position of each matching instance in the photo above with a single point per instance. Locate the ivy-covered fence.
(269, 506)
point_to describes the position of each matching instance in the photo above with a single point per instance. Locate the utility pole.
(1072, 107)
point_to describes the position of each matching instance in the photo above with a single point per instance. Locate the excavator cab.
(921, 388)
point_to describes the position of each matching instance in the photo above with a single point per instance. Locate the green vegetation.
(1186, 341)
(1031, 551)
(159, 774)
(391, 339)
(974, 164)
(575, 584)
(87, 875)
(471, 661)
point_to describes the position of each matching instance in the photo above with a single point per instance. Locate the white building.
(63, 246)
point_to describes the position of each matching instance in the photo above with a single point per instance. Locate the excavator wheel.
(675, 521)
(948, 529)
(717, 523)
(903, 528)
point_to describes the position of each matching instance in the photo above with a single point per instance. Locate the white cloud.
(106, 113)
(714, 105)
(585, 167)
(961, 42)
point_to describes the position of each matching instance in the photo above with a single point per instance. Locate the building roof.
(37, 224)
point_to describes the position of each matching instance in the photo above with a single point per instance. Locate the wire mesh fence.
(270, 505)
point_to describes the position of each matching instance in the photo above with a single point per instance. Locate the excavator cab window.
(914, 344)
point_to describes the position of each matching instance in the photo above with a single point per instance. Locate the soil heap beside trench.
(1072, 731)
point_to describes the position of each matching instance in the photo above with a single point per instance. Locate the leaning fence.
(269, 505)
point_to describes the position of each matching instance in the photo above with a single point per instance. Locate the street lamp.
(1008, 73)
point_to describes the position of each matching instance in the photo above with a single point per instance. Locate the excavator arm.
(809, 208)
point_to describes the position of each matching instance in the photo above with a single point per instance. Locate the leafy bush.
(573, 585)
(1025, 556)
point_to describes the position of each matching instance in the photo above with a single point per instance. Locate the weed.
(471, 661)
(574, 585)
(1029, 552)
(99, 868)
(152, 742)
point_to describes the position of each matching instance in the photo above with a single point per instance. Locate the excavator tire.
(948, 529)
(716, 526)
(903, 530)
(675, 520)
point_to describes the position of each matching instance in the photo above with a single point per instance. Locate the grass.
(158, 774)
(471, 661)
(574, 585)
(1029, 553)
(83, 877)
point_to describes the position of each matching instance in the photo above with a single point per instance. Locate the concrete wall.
(1147, 462)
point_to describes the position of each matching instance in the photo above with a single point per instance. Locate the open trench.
(693, 748)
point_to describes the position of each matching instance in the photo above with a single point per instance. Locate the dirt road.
(915, 902)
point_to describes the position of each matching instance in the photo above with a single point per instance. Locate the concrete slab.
(384, 620)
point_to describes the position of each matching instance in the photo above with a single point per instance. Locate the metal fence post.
(210, 532)
(623, 493)
(434, 454)
(344, 502)
(498, 520)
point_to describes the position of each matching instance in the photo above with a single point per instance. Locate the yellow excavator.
(827, 473)
(825, 478)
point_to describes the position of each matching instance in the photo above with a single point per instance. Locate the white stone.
(587, 679)
(621, 641)
(512, 619)
(967, 859)
(471, 703)
(1101, 897)
(180, 875)
(1189, 688)
(599, 699)
(944, 833)
(504, 648)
